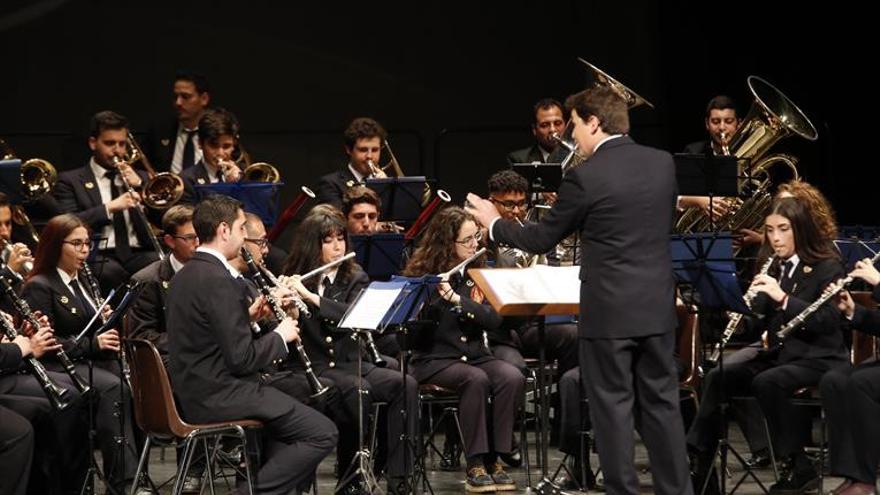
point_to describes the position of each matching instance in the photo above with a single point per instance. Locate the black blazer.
(146, 320)
(332, 186)
(326, 346)
(50, 295)
(77, 192)
(699, 148)
(622, 202)
(160, 143)
(820, 336)
(10, 356)
(531, 154)
(458, 335)
(215, 361)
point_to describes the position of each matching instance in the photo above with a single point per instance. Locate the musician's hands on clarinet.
(768, 285)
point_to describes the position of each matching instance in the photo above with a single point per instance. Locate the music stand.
(379, 305)
(707, 175)
(706, 262)
(10, 180)
(259, 198)
(401, 197)
(542, 177)
(380, 254)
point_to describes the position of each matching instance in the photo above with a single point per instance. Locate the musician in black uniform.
(58, 288)
(321, 239)
(454, 354)
(218, 138)
(851, 398)
(548, 119)
(363, 145)
(808, 264)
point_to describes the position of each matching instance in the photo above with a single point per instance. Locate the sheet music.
(539, 284)
(370, 308)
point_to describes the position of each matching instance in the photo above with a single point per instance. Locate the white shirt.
(107, 231)
(180, 143)
(357, 175)
(330, 275)
(66, 278)
(175, 264)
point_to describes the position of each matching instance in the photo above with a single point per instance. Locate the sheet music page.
(369, 310)
(538, 285)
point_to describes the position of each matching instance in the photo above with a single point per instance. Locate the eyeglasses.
(187, 238)
(477, 237)
(261, 242)
(510, 205)
(79, 244)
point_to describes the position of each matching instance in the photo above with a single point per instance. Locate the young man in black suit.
(363, 145)
(721, 122)
(549, 119)
(218, 137)
(215, 361)
(174, 147)
(96, 193)
(622, 202)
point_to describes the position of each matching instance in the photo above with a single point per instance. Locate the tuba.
(772, 117)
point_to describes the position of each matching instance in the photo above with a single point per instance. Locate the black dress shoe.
(758, 460)
(796, 481)
(513, 459)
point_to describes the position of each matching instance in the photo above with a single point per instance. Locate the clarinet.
(99, 301)
(297, 301)
(812, 308)
(57, 395)
(24, 309)
(735, 318)
(316, 386)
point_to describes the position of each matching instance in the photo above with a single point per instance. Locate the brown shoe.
(503, 481)
(479, 481)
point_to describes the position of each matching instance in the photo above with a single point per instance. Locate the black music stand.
(707, 175)
(10, 180)
(402, 197)
(379, 254)
(542, 177)
(126, 295)
(705, 261)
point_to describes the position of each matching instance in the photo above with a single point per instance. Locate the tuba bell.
(771, 118)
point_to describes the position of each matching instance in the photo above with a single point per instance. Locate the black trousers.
(293, 446)
(773, 385)
(572, 420)
(851, 398)
(474, 384)
(630, 381)
(16, 452)
(381, 385)
(560, 344)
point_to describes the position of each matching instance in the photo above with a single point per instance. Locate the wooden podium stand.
(537, 291)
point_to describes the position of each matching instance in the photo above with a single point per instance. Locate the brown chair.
(156, 414)
(689, 350)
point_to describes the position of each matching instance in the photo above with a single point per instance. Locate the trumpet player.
(321, 239)
(16, 256)
(97, 194)
(218, 137)
(363, 145)
(548, 120)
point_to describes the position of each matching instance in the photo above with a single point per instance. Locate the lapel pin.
(165, 284)
(73, 310)
(165, 142)
(89, 185)
(807, 269)
(201, 181)
(349, 183)
(64, 299)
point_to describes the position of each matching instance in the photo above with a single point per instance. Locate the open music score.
(538, 290)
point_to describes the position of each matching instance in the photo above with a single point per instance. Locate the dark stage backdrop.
(454, 82)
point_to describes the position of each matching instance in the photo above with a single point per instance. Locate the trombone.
(162, 190)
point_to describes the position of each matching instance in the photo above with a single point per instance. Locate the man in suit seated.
(147, 316)
(549, 119)
(97, 194)
(363, 145)
(215, 361)
(218, 137)
(721, 122)
(174, 146)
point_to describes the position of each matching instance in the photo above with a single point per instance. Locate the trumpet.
(316, 386)
(27, 266)
(24, 309)
(56, 395)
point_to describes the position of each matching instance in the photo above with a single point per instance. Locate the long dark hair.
(52, 240)
(305, 251)
(436, 250)
(810, 244)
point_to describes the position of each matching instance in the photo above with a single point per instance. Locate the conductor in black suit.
(549, 119)
(622, 201)
(215, 361)
(363, 145)
(97, 194)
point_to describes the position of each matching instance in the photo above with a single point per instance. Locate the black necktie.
(189, 151)
(84, 304)
(120, 228)
(325, 282)
(785, 280)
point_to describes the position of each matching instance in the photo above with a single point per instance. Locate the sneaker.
(503, 481)
(479, 481)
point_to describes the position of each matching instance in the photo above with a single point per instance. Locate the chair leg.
(183, 468)
(145, 455)
(248, 468)
(209, 461)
